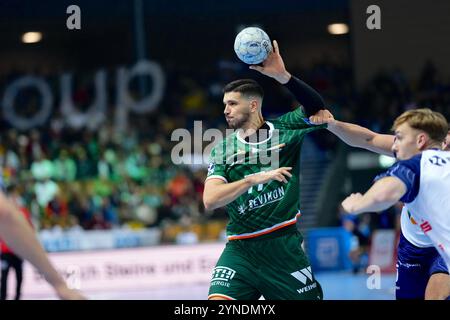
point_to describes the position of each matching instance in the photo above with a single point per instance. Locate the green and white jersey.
(273, 205)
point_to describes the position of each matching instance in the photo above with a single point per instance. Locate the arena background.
(87, 118)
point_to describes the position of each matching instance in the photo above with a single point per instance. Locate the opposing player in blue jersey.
(421, 271)
(422, 181)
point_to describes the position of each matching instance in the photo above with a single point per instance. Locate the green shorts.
(273, 265)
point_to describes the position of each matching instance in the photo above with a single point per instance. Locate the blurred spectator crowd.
(103, 179)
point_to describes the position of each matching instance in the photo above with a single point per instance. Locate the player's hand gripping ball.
(252, 45)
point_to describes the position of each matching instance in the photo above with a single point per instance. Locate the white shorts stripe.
(267, 230)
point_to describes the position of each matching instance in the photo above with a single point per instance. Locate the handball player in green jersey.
(254, 172)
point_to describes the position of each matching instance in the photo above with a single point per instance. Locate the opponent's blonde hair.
(431, 122)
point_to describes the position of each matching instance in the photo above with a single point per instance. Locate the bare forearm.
(357, 136)
(20, 237)
(381, 196)
(220, 195)
(369, 203)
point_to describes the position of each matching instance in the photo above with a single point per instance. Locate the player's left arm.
(382, 195)
(274, 67)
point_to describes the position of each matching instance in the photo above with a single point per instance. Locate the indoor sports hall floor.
(336, 286)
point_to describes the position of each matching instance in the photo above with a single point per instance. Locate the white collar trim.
(271, 128)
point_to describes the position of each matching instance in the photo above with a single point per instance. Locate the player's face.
(446, 143)
(408, 142)
(237, 109)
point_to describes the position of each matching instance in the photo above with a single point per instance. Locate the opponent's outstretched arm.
(20, 237)
(355, 135)
(314, 106)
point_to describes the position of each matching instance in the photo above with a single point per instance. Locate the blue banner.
(328, 248)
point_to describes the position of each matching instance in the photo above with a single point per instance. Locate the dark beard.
(241, 122)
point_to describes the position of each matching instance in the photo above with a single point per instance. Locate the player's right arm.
(218, 193)
(355, 135)
(399, 183)
(274, 67)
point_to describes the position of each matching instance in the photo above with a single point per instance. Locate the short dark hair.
(247, 87)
